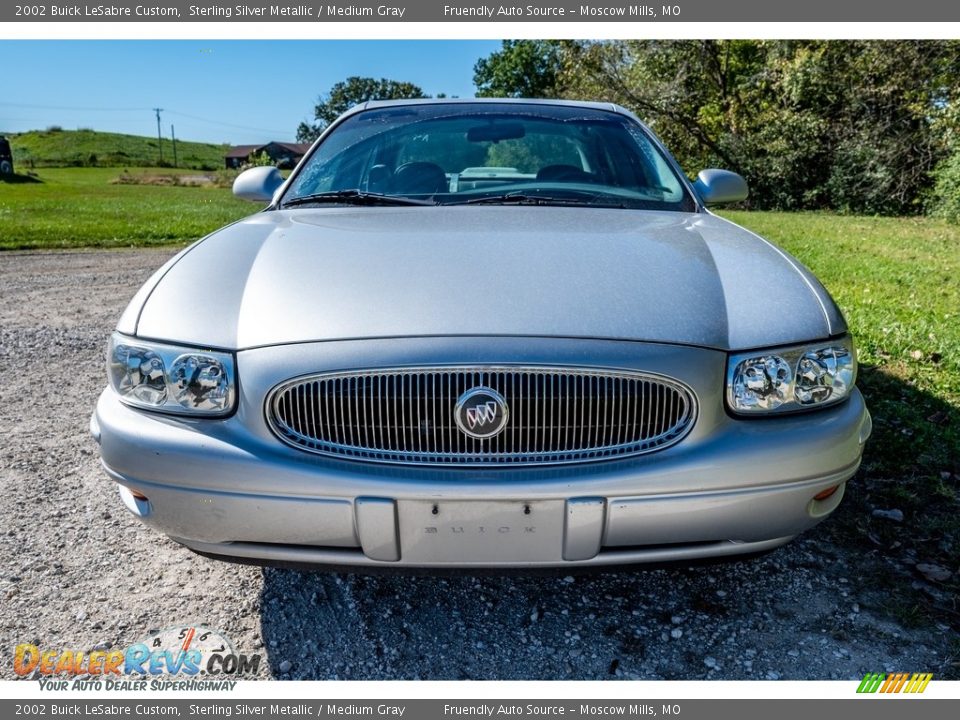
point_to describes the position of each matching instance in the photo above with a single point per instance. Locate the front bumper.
(733, 486)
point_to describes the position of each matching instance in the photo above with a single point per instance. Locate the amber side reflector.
(143, 498)
(820, 495)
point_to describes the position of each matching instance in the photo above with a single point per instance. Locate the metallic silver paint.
(335, 274)
(306, 291)
(715, 187)
(377, 528)
(258, 183)
(583, 534)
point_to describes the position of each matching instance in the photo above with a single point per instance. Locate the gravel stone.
(895, 515)
(933, 572)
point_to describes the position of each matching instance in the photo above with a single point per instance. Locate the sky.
(238, 91)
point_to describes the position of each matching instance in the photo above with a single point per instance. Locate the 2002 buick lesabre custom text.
(482, 333)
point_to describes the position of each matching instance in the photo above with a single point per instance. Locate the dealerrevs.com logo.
(894, 683)
(186, 653)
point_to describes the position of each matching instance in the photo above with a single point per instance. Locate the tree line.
(859, 126)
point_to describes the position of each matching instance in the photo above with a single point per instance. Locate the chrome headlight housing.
(167, 378)
(789, 379)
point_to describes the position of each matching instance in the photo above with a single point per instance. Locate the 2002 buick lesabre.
(482, 333)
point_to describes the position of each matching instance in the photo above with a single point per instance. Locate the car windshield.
(489, 153)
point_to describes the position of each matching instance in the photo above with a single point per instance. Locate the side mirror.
(720, 186)
(258, 183)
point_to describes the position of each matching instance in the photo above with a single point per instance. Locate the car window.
(461, 152)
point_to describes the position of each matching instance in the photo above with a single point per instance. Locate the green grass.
(90, 148)
(898, 283)
(79, 207)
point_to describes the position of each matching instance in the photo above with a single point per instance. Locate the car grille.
(407, 415)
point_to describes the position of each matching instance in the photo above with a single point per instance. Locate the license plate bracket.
(478, 532)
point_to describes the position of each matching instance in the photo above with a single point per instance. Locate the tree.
(522, 68)
(353, 91)
(848, 125)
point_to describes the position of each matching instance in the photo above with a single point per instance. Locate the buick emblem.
(481, 413)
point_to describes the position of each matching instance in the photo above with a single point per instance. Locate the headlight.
(795, 378)
(171, 379)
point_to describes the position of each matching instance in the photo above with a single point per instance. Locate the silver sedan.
(482, 333)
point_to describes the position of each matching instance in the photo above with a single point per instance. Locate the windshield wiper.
(515, 198)
(518, 198)
(353, 197)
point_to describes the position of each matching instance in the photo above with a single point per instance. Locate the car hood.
(349, 273)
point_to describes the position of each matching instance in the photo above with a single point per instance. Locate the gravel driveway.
(79, 572)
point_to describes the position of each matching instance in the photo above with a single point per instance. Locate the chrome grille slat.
(556, 414)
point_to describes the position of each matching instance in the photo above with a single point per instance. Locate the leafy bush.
(945, 201)
(225, 177)
(258, 160)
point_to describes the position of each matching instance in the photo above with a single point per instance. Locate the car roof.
(607, 106)
(604, 106)
(499, 101)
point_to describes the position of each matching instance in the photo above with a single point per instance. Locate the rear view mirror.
(720, 186)
(258, 183)
(495, 132)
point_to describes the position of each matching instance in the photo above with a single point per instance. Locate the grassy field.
(90, 148)
(80, 207)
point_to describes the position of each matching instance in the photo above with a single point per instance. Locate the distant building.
(284, 155)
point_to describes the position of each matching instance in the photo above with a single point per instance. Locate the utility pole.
(173, 138)
(159, 135)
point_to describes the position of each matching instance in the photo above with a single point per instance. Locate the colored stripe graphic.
(894, 683)
(924, 680)
(870, 683)
(897, 682)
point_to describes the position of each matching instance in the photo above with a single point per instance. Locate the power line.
(142, 109)
(230, 125)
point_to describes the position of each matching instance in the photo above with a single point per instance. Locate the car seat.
(419, 178)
